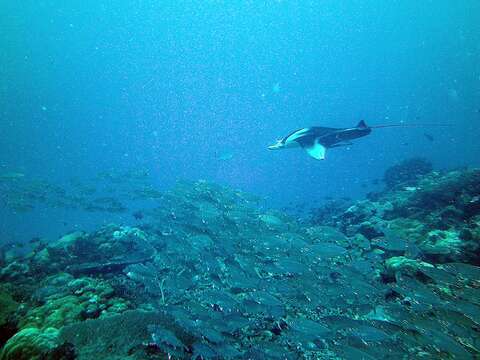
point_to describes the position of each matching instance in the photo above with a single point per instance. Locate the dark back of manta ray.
(331, 136)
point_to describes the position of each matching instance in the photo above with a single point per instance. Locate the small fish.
(429, 137)
(11, 176)
(138, 215)
(226, 156)
(13, 245)
(276, 88)
(474, 199)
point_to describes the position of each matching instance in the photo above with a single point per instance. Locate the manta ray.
(316, 140)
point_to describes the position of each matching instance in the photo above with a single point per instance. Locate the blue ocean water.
(198, 89)
(175, 87)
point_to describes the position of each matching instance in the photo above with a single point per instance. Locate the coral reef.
(109, 249)
(129, 334)
(406, 172)
(30, 344)
(63, 300)
(211, 275)
(438, 215)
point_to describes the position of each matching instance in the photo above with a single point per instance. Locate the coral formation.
(211, 275)
(406, 172)
(30, 344)
(63, 300)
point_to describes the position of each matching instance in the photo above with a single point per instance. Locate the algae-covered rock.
(64, 247)
(442, 246)
(41, 259)
(407, 172)
(412, 230)
(30, 344)
(14, 271)
(108, 250)
(360, 212)
(55, 313)
(368, 229)
(64, 300)
(437, 191)
(405, 265)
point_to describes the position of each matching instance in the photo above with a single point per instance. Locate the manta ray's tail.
(401, 125)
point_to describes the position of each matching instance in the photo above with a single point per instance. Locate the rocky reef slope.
(211, 276)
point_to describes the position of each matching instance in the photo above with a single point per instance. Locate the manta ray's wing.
(330, 137)
(297, 136)
(341, 144)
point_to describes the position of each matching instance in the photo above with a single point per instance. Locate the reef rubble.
(211, 275)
